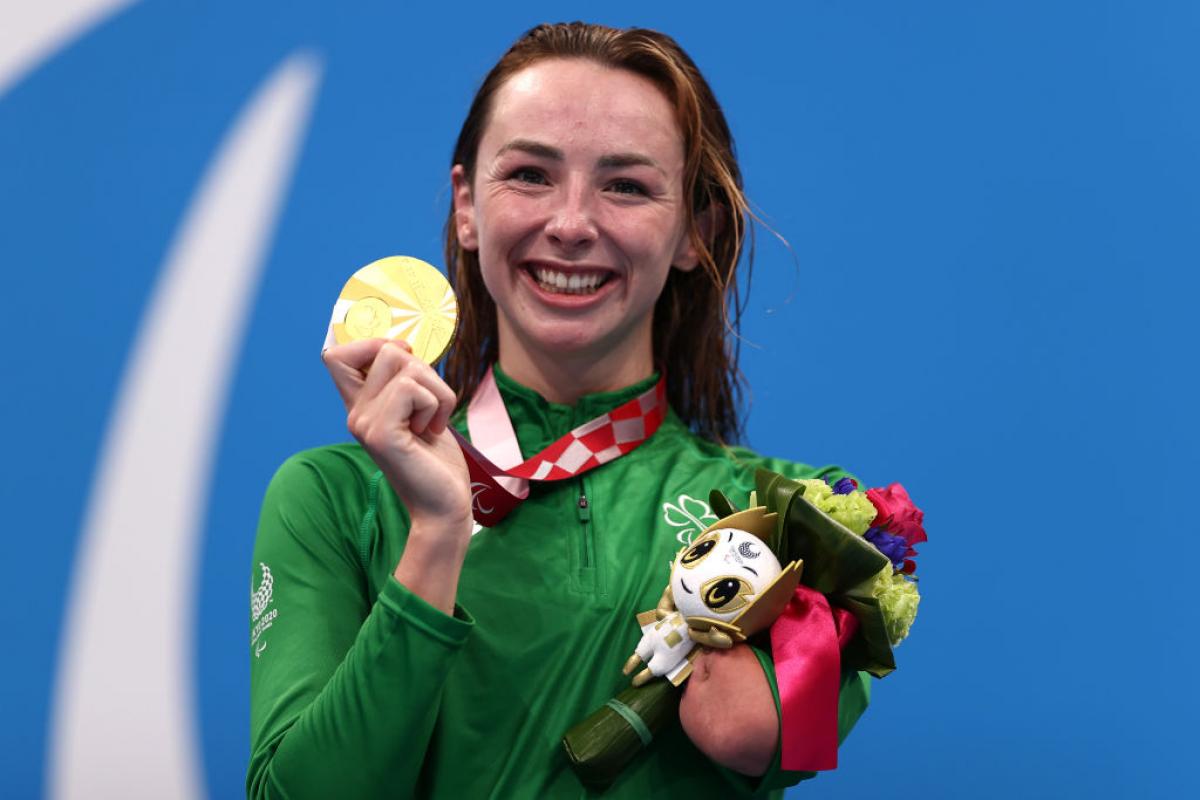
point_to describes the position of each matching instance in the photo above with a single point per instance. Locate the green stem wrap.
(602, 745)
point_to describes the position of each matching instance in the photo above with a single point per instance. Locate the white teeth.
(561, 283)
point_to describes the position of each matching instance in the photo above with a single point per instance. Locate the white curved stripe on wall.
(124, 721)
(32, 32)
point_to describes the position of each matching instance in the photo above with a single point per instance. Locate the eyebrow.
(610, 161)
(533, 148)
(628, 160)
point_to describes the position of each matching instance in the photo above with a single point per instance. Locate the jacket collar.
(538, 422)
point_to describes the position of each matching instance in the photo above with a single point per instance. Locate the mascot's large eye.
(725, 593)
(698, 551)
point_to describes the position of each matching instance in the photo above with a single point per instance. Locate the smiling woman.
(576, 211)
(695, 308)
(596, 229)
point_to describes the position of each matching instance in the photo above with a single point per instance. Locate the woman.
(596, 227)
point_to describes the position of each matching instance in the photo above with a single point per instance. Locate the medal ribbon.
(500, 478)
(806, 643)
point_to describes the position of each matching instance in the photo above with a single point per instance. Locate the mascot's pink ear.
(770, 604)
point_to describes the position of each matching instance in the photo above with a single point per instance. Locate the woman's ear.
(464, 209)
(710, 222)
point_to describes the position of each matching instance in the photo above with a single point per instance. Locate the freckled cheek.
(506, 224)
(639, 237)
(651, 236)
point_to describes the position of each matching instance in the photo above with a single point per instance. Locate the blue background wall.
(993, 211)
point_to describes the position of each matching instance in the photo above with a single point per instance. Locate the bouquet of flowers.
(858, 549)
(855, 600)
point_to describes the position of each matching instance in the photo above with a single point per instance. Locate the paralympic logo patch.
(260, 598)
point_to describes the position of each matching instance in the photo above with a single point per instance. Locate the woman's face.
(576, 211)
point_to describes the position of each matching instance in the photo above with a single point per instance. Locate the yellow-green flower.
(853, 510)
(898, 599)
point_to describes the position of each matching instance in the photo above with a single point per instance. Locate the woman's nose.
(572, 223)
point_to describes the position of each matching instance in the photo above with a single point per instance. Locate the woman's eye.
(527, 175)
(627, 187)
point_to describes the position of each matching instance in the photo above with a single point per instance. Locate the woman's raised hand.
(398, 408)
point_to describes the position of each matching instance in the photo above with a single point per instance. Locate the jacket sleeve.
(344, 687)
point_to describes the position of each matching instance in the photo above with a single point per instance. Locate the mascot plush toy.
(725, 586)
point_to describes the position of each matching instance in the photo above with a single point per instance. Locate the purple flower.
(845, 486)
(892, 546)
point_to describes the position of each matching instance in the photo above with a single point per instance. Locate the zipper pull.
(585, 510)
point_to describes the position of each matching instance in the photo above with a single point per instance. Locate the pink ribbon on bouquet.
(806, 643)
(500, 477)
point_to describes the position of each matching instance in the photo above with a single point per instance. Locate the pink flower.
(897, 514)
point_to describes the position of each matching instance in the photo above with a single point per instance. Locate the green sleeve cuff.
(449, 630)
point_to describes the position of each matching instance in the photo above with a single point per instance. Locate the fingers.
(359, 355)
(348, 365)
(443, 394)
(404, 398)
(391, 358)
(366, 370)
(432, 401)
(643, 677)
(631, 664)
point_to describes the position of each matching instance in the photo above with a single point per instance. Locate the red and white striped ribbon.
(499, 476)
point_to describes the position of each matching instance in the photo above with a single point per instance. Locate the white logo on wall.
(260, 598)
(689, 515)
(183, 358)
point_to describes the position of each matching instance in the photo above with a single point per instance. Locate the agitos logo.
(129, 615)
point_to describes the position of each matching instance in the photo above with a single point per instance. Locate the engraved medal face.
(368, 318)
(399, 298)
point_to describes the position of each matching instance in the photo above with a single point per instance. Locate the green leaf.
(835, 558)
(722, 506)
(870, 649)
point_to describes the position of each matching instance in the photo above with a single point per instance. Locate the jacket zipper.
(584, 509)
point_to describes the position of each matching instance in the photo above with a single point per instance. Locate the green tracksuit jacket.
(361, 689)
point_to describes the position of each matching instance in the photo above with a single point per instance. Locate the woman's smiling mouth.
(575, 282)
(569, 286)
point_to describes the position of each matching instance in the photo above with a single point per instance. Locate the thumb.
(359, 354)
(349, 363)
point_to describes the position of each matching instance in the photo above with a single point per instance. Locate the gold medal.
(399, 298)
(368, 318)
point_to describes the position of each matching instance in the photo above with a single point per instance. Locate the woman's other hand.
(728, 711)
(398, 408)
